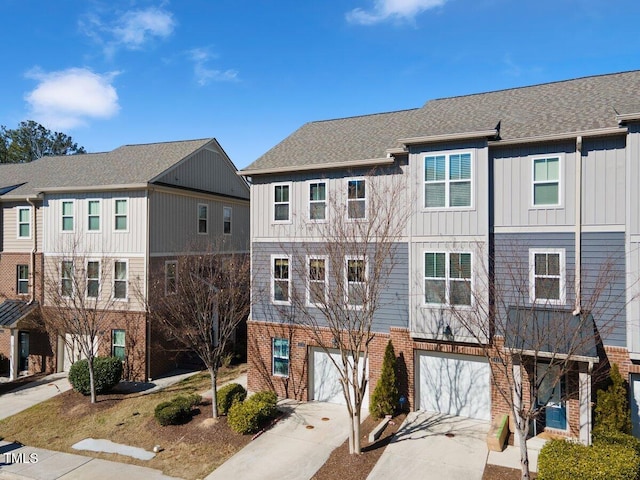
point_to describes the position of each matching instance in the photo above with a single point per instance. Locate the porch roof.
(13, 311)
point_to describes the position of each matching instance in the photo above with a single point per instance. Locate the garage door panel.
(455, 385)
(325, 384)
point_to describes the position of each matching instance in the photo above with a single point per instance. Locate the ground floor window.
(280, 357)
(118, 344)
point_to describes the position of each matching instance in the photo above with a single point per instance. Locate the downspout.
(146, 293)
(578, 228)
(34, 249)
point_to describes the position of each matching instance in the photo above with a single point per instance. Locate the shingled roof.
(12, 311)
(126, 165)
(570, 106)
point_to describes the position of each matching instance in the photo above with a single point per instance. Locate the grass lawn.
(191, 450)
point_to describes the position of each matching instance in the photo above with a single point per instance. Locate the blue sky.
(249, 73)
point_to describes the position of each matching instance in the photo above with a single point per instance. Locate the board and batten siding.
(10, 240)
(393, 309)
(174, 223)
(129, 242)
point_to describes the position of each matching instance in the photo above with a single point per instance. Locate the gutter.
(34, 249)
(600, 132)
(578, 228)
(320, 166)
(492, 133)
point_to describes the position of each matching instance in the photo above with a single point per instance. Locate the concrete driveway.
(435, 446)
(293, 449)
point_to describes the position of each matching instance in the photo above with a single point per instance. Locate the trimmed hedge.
(176, 411)
(254, 413)
(107, 372)
(563, 460)
(228, 395)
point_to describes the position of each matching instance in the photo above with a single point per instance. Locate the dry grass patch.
(190, 451)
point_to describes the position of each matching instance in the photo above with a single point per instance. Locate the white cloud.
(68, 98)
(392, 9)
(204, 75)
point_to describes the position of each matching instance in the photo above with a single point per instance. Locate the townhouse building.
(521, 211)
(107, 228)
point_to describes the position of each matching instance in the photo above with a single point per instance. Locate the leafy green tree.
(385, 395)
(612, 408)
(31, 141)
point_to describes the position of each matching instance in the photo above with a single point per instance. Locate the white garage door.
(453, 384)
(325, 378)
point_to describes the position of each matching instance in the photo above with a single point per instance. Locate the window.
(317, 201)
(280, 354)
(356, 199)
(24, 222)
(547, 276)
(121, 207)
(22, 282)
(226, 220)
(203, 218)
(546, 181)
(281, 203)
(118, 344)
(93, 210)
(356, 282)
(280, 282)
(120, 279)
(447, 278)
(170, 277)
(67, 216)
(93, 278)
(317, 287)
(447, 180)
(66, 281)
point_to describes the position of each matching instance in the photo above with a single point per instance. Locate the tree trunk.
(92, 383)
(356, 432)
(524, 453)
(214, 392)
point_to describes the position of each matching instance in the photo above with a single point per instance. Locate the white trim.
(116, 214)
(562, 276)
(126, 281)
(372, 162)
(310, 202)
(273, 279)
(357, 199)
(533, 182)
(447, 180)
(364, 259)
(99, 215)
(273, 202)
(226, 208)
(206, 219)
(29, 222)
(273, 357)
(72, 201)
(308, 280)
(447, 279)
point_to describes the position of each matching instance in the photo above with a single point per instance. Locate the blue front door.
(551, 396)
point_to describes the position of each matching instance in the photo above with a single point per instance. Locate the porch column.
(517, 400)
(13, 357)
(584, 386)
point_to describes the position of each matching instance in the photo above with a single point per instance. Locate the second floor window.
(356, 282)
(170, 277)
(67, 216)
(24, 222)
(66, 278)
(203, 218)
(121, 208)
(226, 220)
(546, 181)
(281, 203)
(447, 278)
(547, 276)
(280, 280)
(120, 280)
(317, 201)
(93, 215)
(447, 180)
(93, 279)
(22, 281)
(317, 287)
(356, 199)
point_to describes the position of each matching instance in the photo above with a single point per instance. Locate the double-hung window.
(280, 357)
(203, 218)
(356, 276)
(93, 278)
(317, 281)
(546, 181)
(281, 280)
(356, 199)
(118, 344)
(67, 216)
(447, 278)
(24, 222)
(317, 201)
(121, 210)
(120, 279)
(170, 277)
(93, 215)
(22, 279)
(281, 211)
(66, 278)
(447, 180)
(226, 220)
(547, 273)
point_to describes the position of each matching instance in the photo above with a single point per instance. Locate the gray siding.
(393, 310)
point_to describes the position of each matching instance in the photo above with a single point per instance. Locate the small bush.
(254, 413)
(176, 411)
(107, 372)
(563, 460)
(385, 396)
(228, 395)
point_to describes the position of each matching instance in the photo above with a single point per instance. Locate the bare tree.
(200, 302)
(536, 346)
(340, 278)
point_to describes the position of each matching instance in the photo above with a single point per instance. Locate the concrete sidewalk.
(33, 393)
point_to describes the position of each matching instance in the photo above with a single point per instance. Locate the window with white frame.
(281, 211)
(120, 279)
(317, 281)
(24, 222)
(546, 181)
(317, 201)
(280, 357)
(356, 276)
(547, 272)
(66, 278)
(447, 180)
(281, 281)
(93, 278)
(93, 215)
(226, 220)
(447, 278)
(121, 214)
(356, 199)
(22, 279)
(203, 218)
(170, 277)
(67, 216)
(118, 344)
